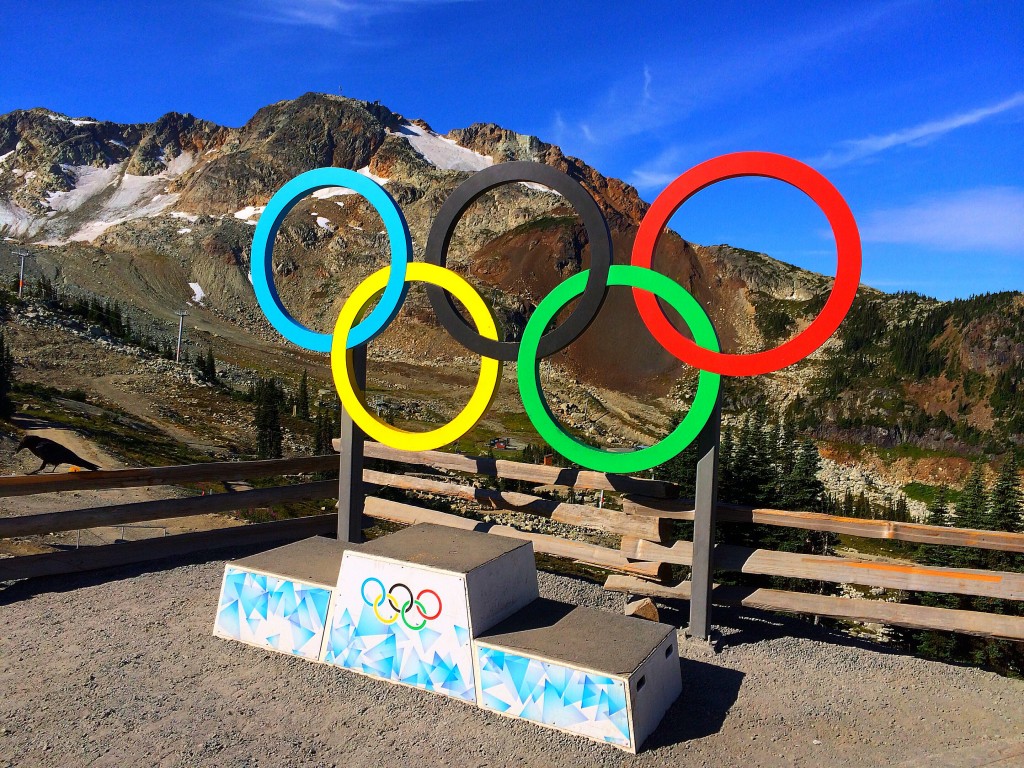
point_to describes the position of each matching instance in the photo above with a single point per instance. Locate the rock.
(644, 608)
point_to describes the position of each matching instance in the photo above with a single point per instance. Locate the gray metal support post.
(350, 477)
(705, 503)
(182, 314)
(21, 274)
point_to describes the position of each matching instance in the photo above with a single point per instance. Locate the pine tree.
(863, 506)
(801, 488)
(971, 513)
(847, 508)
(970, 509)
(1005, 500)
(267, 420)
(938, 512)
(302, 398)
(210, 365)
(6, 378)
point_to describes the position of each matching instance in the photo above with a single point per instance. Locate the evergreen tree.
(725, 459)
(970, 509)
(209, 366)
(971, 513)
(324, 433)
(862, 506)
(801, 489)
(847, 509)
(267, 420)
(302, 398)
(938, 512)
(1005, 501)
(6, 378)
(682, 469)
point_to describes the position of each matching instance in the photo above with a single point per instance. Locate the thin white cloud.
(333, 14)
(858, 149)
(982, 219)
(667, 92)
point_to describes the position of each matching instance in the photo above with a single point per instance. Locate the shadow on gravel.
(735, 627)
(709, 691)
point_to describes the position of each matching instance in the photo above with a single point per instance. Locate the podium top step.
(579, 637)
(442, 547)
(316, 560)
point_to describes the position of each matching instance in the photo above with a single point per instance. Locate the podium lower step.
(278, 599)
(608, 677)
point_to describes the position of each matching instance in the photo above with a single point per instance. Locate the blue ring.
(362, 589)
(262, 266)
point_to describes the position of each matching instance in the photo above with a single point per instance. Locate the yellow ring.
(377, 604)
(353, 399)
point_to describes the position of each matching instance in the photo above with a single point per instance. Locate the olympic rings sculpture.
(400, 610)
(588, 288)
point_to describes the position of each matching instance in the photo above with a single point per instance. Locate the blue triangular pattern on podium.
(589, 704)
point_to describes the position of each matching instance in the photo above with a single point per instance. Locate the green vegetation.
(267, 398)
(302, 397)
(6, 379)
(207, 366)
(998, 508)
(135, 442)
(928, 493)
(888, 346)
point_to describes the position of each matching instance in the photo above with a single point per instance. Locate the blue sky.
(914, 110)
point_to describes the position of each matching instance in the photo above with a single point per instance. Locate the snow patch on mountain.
(327, 192)
(249, 213)
(442, 152)
(365, 171)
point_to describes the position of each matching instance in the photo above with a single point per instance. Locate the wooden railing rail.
(840, 570)
(919, 533)
(648, 508)
(27, 485)
(116, 514)
(516, 470)
(852, 609)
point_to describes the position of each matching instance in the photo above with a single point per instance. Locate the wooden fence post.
(351, 495)
(705, 505)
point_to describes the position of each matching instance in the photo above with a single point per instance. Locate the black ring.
(404, 605)
(600, 256)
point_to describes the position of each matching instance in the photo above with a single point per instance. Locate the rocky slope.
(143, 213)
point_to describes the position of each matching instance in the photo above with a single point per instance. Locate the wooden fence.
(640, 564)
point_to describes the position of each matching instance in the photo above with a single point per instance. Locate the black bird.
(52, 453)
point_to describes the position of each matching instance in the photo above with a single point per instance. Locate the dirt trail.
(116, 388)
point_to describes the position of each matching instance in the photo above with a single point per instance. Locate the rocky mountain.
(144, 213)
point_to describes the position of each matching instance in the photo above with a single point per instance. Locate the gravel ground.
(121, 669)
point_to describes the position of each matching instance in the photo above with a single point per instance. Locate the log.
(609, 520)
(516, 470)
(27, 485)
(854, 609)
(116, 514)
(591, 554)
(919, 533)
(889, 575)
(128, 553)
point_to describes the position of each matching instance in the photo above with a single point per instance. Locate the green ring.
(528, 373)
(405, 607)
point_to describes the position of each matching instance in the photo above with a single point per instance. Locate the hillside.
(142, 214)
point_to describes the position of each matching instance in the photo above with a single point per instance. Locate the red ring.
(772, 166)
(421, 594)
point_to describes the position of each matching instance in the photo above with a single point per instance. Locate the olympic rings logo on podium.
(588, 288)
(400, 610)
